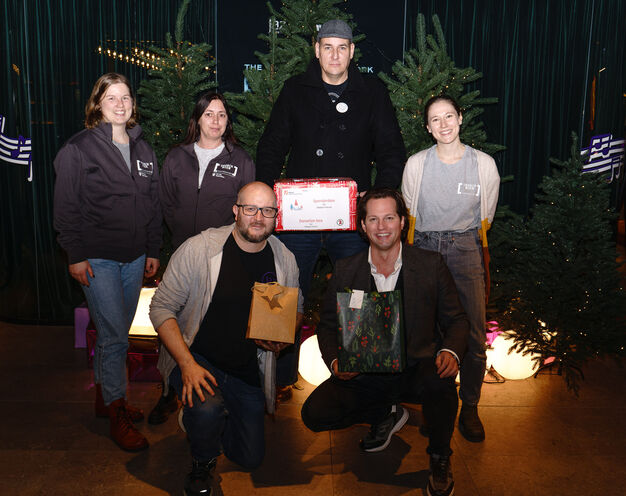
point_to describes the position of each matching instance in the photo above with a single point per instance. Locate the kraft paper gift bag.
(273, 312)
(370, 335)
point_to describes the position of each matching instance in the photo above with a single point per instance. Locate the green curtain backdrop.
(49, 64)
(538, 57)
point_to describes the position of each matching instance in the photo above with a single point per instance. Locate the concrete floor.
(541, 440)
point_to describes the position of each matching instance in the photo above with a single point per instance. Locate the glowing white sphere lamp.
(142, 326)
(312, 368)
(514, 365)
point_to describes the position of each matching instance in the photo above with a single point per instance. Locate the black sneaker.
(440, 481)
(166, 405)
(470, 425)
(198, 481)
(379, 436)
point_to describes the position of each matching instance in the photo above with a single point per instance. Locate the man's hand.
(274, 346)
(344, 376)
(80, 270)
(195, 378)
(446, 365)
(152, 265)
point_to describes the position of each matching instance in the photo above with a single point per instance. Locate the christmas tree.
(557, 274)
(290, 42)
(183, 71)
(427, 71)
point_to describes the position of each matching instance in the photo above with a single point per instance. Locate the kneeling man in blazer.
(435, 327)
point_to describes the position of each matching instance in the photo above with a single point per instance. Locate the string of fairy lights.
(138, 56)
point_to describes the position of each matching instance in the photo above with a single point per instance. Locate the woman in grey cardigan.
(451, 190)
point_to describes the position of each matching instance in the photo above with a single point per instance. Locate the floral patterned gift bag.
(370, 335)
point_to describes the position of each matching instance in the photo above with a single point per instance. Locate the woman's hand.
(80, 270)
(152, 265)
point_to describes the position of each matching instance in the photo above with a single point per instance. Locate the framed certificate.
(319, 204)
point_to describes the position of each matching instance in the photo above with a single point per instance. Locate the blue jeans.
(232, 419)
(112, 297)
(306, 247)
(462, 253)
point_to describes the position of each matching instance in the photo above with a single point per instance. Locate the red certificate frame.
(316, 204)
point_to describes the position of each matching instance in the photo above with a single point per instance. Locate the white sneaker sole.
(399, 425)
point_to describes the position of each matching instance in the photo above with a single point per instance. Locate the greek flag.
(604, 155)
(15, 151)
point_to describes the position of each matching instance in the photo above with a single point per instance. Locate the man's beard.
(258, 238)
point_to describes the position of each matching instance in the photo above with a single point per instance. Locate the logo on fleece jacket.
(144, 169)
(225, 170)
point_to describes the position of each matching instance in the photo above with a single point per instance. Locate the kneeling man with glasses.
(200, 311)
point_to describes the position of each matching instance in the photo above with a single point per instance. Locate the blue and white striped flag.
(16, 151)
(604, 155)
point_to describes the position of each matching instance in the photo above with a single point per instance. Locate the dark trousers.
(367, 398)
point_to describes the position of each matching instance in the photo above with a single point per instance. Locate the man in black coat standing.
(333, 121)
(435, 330)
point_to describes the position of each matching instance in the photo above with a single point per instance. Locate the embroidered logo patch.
(225, 170)
(144, 169)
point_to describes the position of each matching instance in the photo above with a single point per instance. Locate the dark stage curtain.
(538, 57)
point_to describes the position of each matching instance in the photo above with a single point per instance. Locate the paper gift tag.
(356, 298)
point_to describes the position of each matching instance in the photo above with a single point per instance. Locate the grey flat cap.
(335, 28)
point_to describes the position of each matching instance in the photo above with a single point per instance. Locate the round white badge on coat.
(342, 107)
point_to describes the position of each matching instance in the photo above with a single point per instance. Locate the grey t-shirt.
(205, 155)
(124, 148)
(449, 198)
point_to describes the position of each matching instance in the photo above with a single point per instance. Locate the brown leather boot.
(123, 432)
(470, 425)
(136, 414)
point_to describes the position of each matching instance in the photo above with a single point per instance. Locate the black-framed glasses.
(269, 212)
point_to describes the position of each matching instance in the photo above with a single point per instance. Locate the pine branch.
(556, 271)
(428, 71)
(183, 72)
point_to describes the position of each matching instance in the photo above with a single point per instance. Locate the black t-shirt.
(335, 90)
(221, 338)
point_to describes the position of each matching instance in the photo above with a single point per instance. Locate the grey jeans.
(463, 255)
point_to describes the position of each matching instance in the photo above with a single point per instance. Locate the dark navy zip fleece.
(101, 209)
(189, 210)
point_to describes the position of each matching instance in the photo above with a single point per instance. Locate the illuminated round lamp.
(141, 325)
(514, 365)
(312, 368)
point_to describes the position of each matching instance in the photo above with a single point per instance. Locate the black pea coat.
(325, 139)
